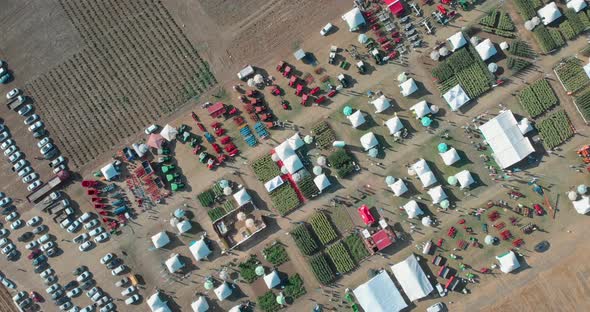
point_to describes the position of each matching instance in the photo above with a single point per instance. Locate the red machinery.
(260, 109)
(332, 93)
(195, 117)
(89, 183)
(216, 125)
(220, 132)
(255, 101)
(299, 90)
(252, 93)
(304, 99)
(395, 34)
(314, 91)
(584, 152)
(293, 81)
(441, 9)
(243, 99)
(275, 90)
(221, 158)
(375, 27)
(393, 54)
(225, 140)
(505, 234)
(287, 71)
(538, 209)
(281, 66)
(217, 148)
(452, 232)
(238, 120)
(216, 110)
(265, 117)
(382, 40)
(366, 215)
(387, 47)
(320, 100)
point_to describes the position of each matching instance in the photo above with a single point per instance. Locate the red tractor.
(299, 90)
(276, 91)
(293, 81)
(287, 71)
(281, 66)
(314, 91)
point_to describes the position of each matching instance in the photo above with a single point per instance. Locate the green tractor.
(194, 141)
(163, 151)
(168, 168)
(177, 186)
(172, 177)
(183, 134)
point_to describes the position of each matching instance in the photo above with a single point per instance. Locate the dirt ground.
(261, 33)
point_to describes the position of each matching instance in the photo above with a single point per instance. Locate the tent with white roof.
(295, 141)
(199, 249)
(369, 140)
(272, 279)
(284, 150)
(242, 197)
(292, 163)
(223, 291)
(379, 294)
(169, 133)
(457, 41)
(525, 126)
(412, 209)
(486, 49)
(582, 206)
(427, 179)
(412, 278)
(424, 173)
(156, 303)
(506, 140)
(356, 119)
(456, 97)
(109, 171)
(321, 182)
(200, 305)
(450, 157)
(354, 18)
(508, 262)
(421, 109)
(549, 13)
(408, 87)
(273, 183)
(465, 179)
(184, 226)
(381, 104)
(394, 125)
(398, 187)
(160, 240)
(438, 194)
(577, 5)
(174, 264)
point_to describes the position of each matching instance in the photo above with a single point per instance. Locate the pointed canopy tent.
(155, 140)
(293, 164)
(109, 172)
(321, 182)
(362, 38)
(486, 49)
(373, 152)
(381, 104)
(427, 179)
(394, 125)
(438, 194)
(525, 126)
(549, 13)
(506, 140)
(272, 279)
(408, 87)
(199, 249)
(273, 183)
(582, 206)
(354, 19)
(237, 308)
(242, 197)
(450, 157)
(174, 263)
(369, 140)
(356, 119)
(223, 291)
(412, 209)
(457, 41)
(421, 109)
(200, 305)
(169, 133)
(379, 294)
(465, 179)
(295, 141)
(184, 226)
(156, 303)
(504, 45)
(412, 278)
(577, 5)
(398, 187)
(317, 170)
(160, 240)
(284, 150)
(582, 189)
(424, 173)
(456, 97)
(508, 262)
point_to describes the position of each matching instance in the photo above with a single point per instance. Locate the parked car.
(53, 288)
(31, 120)
(83, 277)
(25, 303)
(96, 296)
(151, 129)
(35, 296)
(59, 168)
(8, 283)
(118, 270)
(25, 237)
(79, 270)
(6, 144)
(34, 254)
(128, 291)
(51, 252)
(85, 246)
(109, 307)
(91, 224)
(65, 223)
(13, 215)
(86, 217)
(8, 248)
(102, 237)
(19, 165)
(56, 161)
(19, 296)
(25, 171)
(71, 285)
(89, 308)
(122, 282)
(50, 280)
(74, 292)
(74, 226)
(81, 238)
(66, 306)
(30, 177)
(34, 185)
(37, 125)
(12, 93)
(41, 267)
(46, 273)
(40, 229)
(39, 133)
(437, 307)
(46, 149)
(103, 301)
(92, 292)
(11, 150)
(32, 245)
(23, 111)
(4, 232)
(44, 239)
(58, 294)
(114, 263)
(39, 260)
(107, 258)
(5, 202)
(34, 221)
(17, 224)
(4, 135)
(5, 241)
(48, 246)
(96, 231)
(326, 29)
(88, 284)
(131, 300)
(43, 142)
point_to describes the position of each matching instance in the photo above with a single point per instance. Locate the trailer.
(246, 72)
(46, 188)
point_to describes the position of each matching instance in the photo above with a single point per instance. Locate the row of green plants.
(578, 21)
(323, 228)
(572, 75)
(567, 30)
(304, 240)
(340, 257)
(548, 39)
(342, 162)
(521, 48)
(466, 68)
(284, 199)
(321, 269)
(275, 254)
(583, 103)
(265, 168)
(356, 247)
(474, 81)
(294, 289)
(527, 8)
(308, 187)
(268, 302)
(248, 269)
(537, 98)
(324, 136)
(555, 129)
(206, 198)
(517, 65)
(499, 32)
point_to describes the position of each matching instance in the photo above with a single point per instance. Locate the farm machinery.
(183, 134)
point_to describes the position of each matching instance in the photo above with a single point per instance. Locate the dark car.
(39, 260)
(12, 255)
(34, 254)
(50, 280)
(79, 270)
(57, 294)
(39, 133)
(114, 263)
(42, 267)
(25, 237)
(8, 210)
(542, 246)
(89, 284)
(62, 300)
(52, 252)
(70, 285)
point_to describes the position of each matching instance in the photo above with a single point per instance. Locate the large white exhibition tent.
(408, 87)
(160, 239)
(412, 279)
(457, 40)
(506, 140)
(174, 263)
(169, 133)
(242, 197)
(295, 141)
(508, 262)
(421, 109)
(456, 97)
(549, 13)
(381, 103)
(582, 206)
(464, 178)
(369, 140)
(486, 49)
(200, 305)
(223, 291)
(412, 209)
(438, 194)
(450, 157)
(293, 164)
(284, 150)
(156, 303)
(379, 294)
(398, 187)
(577, 5)
(273, 184)
(199, 249)
(272, 279)
(356, 119)
(354, 18)
(394, 125)
(321, 182)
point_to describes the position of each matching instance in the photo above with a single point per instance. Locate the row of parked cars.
(117, 267)
(89, 223)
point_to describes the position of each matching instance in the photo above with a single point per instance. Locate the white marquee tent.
(109, 172)
(200, 305)
(223, 291)
(273, 183)
(549, 13)
(457, 40)
(450, 157)
(184, 226)
(577, 5)
(394, 125)
(421, 109)
(506, 140)
(354, 18)
(456, 97)
(424, 173)
(199, 250)
(412, 209)
(356, 119)
(398, 187)
(295, 141)
(293, 164)
(174, 264)
(438, 194)
(525, 126)
(160, 240)
(408, 87)
(381, 104)
(156, 303)
(379, 294)
(242, 197)
(369, 140)
(582, 205)
(321, 182)
(465, 179)
(284, 150)
(486, 49)
(412, 278)
(168, 133)
(272, 279)
(508, 262)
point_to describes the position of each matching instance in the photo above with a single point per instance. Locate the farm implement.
(261, 131)
(249, 138)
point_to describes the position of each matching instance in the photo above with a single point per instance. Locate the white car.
(55, 195)
(14, 157)
(19, 296)
(4, 232)
(34, 185)
(59, 168)
(131, 300)
(11, 150)
(44, 239)
(25, 171)
(74, 292)
(31, 120)
(4, 135)
(17, 224)
(105, 259)
(151, 129)
(93, 291)
(31, 177)
(85, 217)
(85, 246)
(118, 270)
(6, 144)
(74, 227)
(102, 237)
(437, 307)
(91, 224)
(36, 126)
(12, 93)
(53, 288)
(5, 241)
(128, 291)
(96, 231)
(5, 201)
(326, 29)
(89, 308)
(65, 223)
(43, 142)
(32, 245)
(23, 111)
(45, 274)
(56, 162)
(48, 246)
(34, 221)
(12, 216)
(19, 165)
(84, 276)
(46, 149)
(81, 238)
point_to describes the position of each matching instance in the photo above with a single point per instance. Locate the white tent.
(356, 119)
(465, 179)
(456, 41)
(379, 294)
(582, 206)
(456, 97)
(295, 141)
(174, 264)
(398, 187)
(223, 291)
(486, 49)
(354, 18)
(200, 305)
(293, 164)
(184, 226)
(272, 279)
(408, 87)
(156, 303)
(284, 150)
(321, 182)
(506, 140)
(368, 141)
(242, 197)
(109, 172)
(394, 125)
(237, 308)
(508, 262)
(587, 69)
(577, 5)
(199, 250)
(427, 179)
(412, 209)
(160, 240)
(421, 167)
(549, 13)
(421, 109)
(412, 279)
(438, 194)
(381, 104)
(168, 133)
(525, 126)
(450, 157)
(273, 183)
